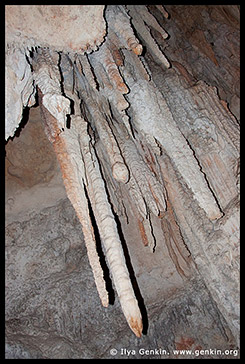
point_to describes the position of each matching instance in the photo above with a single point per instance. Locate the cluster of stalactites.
(121, 76)
(96, 79)
(102, 86)
(20, 47)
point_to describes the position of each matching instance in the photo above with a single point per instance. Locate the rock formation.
(142, 111)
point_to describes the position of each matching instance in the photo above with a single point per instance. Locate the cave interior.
(122, 181)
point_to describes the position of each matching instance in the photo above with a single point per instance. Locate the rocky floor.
(52, 306)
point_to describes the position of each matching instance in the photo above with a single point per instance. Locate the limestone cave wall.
(122, 181)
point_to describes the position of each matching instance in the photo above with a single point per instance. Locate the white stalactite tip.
(132, 314)
(58, 106)
(137, 48)
(136, 326)
(120, 172)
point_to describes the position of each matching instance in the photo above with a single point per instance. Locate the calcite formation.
(123, 122)
(79, 28)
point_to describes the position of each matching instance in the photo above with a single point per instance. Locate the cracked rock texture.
(129, 133)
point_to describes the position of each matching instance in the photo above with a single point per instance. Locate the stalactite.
(151, 20)
(91, 176)
(19, 87)
(106, 59)
(141, 20)
(119, 21)
(119, 169)
(147, 184)
(211, 131)
(210, 102)
(177, 249)
(115, 50)
(68, 153)
(67, 149)
(86, 69)
(163, 11)
(108, 232)
(164, 129)
(108, 74)
(47, 77)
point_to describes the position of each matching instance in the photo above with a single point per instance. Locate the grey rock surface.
(53, 309)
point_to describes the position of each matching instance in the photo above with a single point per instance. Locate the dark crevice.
(205, 176)
(68, 116)
(106, 272)
(28, 61)
(153, 235)
(68, 121)
(93, 73)
(61, 75)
